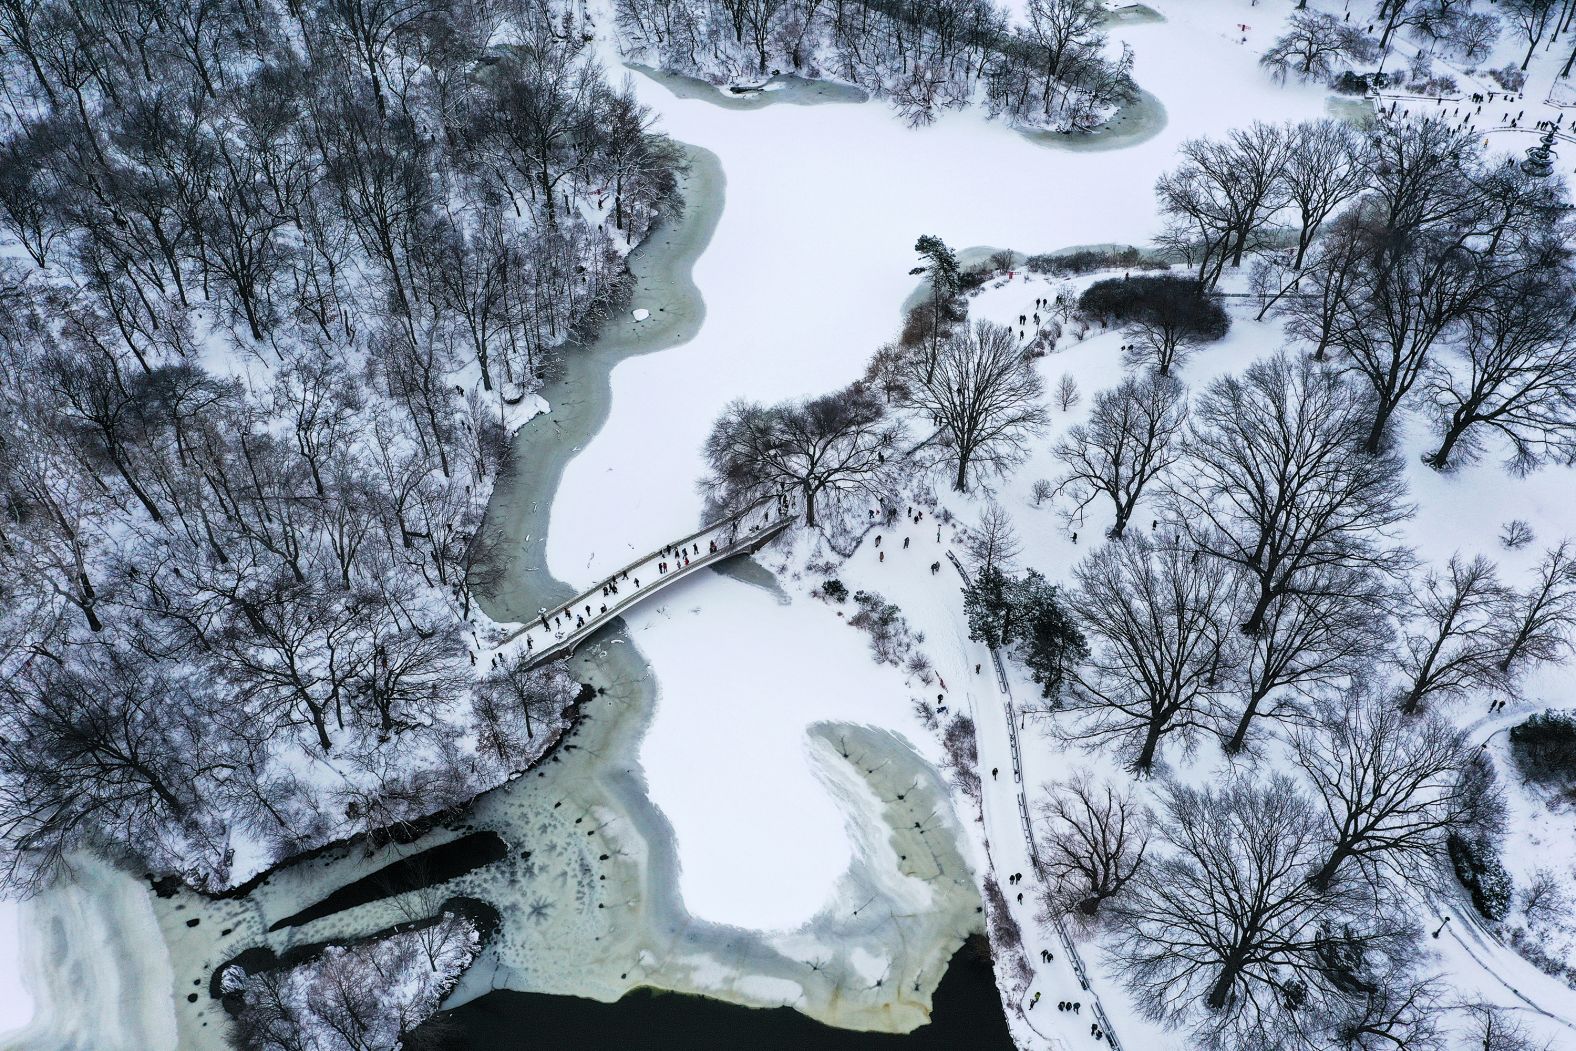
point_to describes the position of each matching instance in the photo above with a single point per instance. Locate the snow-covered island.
(513, 506)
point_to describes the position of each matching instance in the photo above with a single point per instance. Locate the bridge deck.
(557, 632)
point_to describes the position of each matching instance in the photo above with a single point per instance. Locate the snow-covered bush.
(890, 636)
(1544, 748)
(1480, 871)
(1510, 77)
(835, 590)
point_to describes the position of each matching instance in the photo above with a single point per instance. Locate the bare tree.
(985, 397)
(1067, 394)
(1156, 614)
(1408, 293)
(1275, 487)
(1519, 379)
(1223, 193)
(1392, 1010)
(1322, 173)
(1421, 174)
(1391, 786)
(1448, 644)
(1532, 17)
(829, 450)
(1491, 1028)
(1543, 899)
(993, 544)
(1312, 45)
(1309, 642)
(1095, 839)
(1537, 623)
(1129, 441)
(1221, 928)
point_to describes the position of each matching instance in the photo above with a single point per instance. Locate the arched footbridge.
(557, 632)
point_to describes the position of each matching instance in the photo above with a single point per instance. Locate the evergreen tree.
(1047, 640)
(987, 602)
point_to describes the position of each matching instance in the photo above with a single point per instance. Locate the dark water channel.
(967, 1014)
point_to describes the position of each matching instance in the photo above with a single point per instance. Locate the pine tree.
(1047, 640)
(988, 605)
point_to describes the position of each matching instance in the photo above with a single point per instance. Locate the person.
(905, 543)
(530, 644)
(993, 772)
(883, 557)
(878, 540)
(1075, 538)
(976, 669)
(935, 567)
(941, 680)
(1035, 1000)
(637, 582)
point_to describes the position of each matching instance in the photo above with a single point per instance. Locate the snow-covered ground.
(16, 1003)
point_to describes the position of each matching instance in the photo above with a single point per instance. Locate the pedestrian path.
(557, 632)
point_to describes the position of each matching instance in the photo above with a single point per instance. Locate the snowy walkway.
(1013, 850)
(557, 632)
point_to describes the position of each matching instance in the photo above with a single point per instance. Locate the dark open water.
(967, 1017)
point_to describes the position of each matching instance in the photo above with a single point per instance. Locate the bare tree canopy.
(1448, 641)
(1221, 929)
(831, 450)
(1157, 616)
(1274, 485)
(1095, 839)
(1391, 786)
(1310, 641)
(985, 398)
(1128, 442)
(1518, 379)
(1312, 45)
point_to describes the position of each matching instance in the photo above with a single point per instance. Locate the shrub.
(1516, 534)
(975, 277)
(835, 590)
(1088, 260)
(1544, 747)
(1170, 314)
(1349, 83)
(1510, 78)
(1478, 868)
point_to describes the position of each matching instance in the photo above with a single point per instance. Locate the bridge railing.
(751, 540)
(738, 516)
